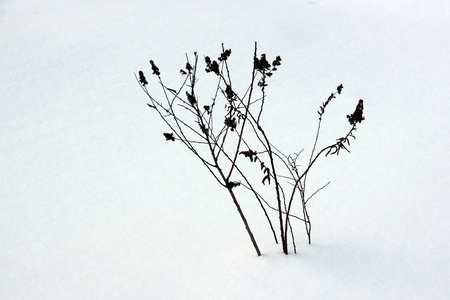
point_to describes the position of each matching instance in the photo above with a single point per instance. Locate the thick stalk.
(283, 230)
(247, 227)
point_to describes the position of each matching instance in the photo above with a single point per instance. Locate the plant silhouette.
(227, 136)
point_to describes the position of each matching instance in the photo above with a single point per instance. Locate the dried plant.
(225, 133)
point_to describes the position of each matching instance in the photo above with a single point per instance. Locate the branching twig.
(217, 138)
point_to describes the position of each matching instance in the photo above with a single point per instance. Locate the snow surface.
(94, 204)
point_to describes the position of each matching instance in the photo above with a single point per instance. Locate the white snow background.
(94, 204)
